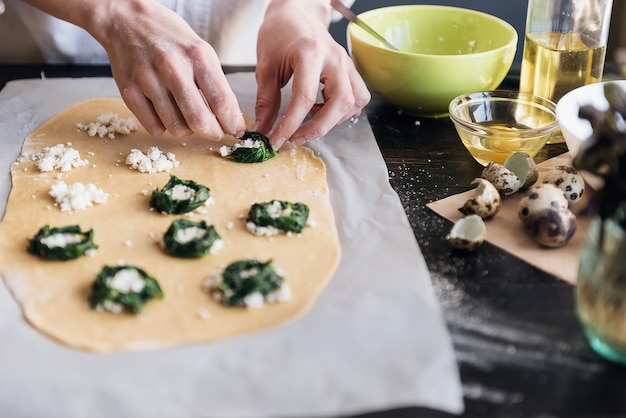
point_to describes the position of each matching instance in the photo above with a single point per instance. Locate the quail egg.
(538, 198)
(505, 181)
(553, 227)
(468, 233)
(524, 167)
(485, 202)
(569, 181)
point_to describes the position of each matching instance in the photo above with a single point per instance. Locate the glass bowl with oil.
(494, 124)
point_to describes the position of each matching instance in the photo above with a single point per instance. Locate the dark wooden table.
(520, 348)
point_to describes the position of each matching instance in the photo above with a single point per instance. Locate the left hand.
(294, 41)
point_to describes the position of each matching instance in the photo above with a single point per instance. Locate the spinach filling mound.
(248, 283)
(188, 239)
(270, 218)
(254, 147)
(61, 244)
(179, 196)
(123, 287)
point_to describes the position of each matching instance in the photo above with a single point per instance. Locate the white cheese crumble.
(127, 281)
(181, 192)
(76, 196)
(153, 161)
(254, 300)
(108, 125)
(183, 236)
(262, 231)
(59, 158)
(217, 245)
(61, 239)
(204, 314)
(225, 150)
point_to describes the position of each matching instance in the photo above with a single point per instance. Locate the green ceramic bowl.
(444, 52)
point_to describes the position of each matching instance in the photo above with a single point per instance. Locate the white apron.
(230, 26)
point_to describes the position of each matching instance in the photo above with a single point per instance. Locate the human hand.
(165, 72)
(294, 41)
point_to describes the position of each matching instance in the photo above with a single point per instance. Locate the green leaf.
(197, 247)
(163, 201)
(61, 253)
(243, 278)
(291, 217)
(102, 292)
(252, 155)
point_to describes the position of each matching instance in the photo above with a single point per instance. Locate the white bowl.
(576, 130)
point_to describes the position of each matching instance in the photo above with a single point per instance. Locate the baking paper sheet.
(375, 339)
(506, 231)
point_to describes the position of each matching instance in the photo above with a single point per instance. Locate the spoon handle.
(347, 13)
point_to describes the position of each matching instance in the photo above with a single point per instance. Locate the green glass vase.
(601, 287)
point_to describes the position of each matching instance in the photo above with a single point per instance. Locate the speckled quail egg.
(468, 233)
(538, 198)
(485, 202)
(553, 227)
(505, 181)
(569, 181)
(524, 167)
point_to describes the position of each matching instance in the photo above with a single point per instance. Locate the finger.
(304, 94)
(339, 106)
(222, 102)
(143, 110)
(189, 112)
(361, 97)
(267, 103)
(163, 103)
(171, 116)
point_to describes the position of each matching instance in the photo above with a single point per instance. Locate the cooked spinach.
(105, 294)
(163, 201)
(40, 244)
(193, 246)
(243, 278)
(282, 215)
(255, 154)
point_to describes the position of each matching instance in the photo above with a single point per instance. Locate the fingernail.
(299, 140)
(240, 134)
(278, 142)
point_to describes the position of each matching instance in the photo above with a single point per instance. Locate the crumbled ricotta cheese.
(260, 231)
(217, 245)
(126, 281)
(61, 239)
(181, 192)
(225, 150)
(254, 300)
(183, 236)
(111, 306)
(283, 294)
(76, 196)
(59, 158)
(153, 161)
(108, 125)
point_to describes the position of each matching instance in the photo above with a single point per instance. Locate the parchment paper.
(375, 339)
(506, 231)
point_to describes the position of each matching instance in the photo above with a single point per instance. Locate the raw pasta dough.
(53, 295)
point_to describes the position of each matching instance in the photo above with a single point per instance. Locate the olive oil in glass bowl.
(493, 125)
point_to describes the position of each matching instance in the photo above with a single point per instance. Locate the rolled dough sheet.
(53, 295)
